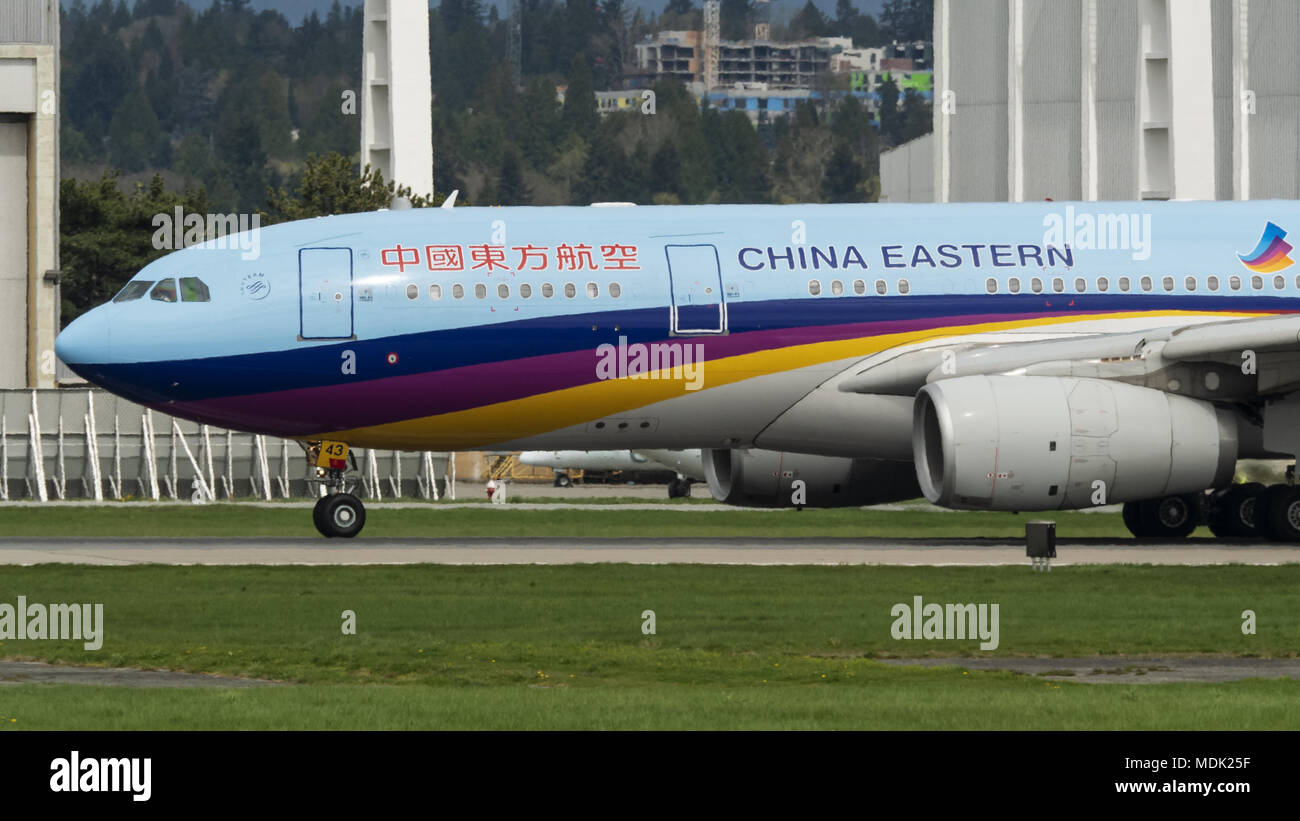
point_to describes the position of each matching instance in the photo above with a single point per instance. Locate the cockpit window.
(194, 289)
(164, 291)
(133, 290)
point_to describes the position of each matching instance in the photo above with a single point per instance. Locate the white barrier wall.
(80, 443)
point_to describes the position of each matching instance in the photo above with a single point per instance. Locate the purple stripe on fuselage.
(348, 405)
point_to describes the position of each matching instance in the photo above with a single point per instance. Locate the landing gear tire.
(316, 516)
(563, 480)
(339, 515)
(1283, 513)
(1232, 512)
(1171, 517)
(679, 488)
(1133, 519)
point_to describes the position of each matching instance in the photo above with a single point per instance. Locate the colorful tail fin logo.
(1271, 253)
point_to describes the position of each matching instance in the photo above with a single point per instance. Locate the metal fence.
(73, 443)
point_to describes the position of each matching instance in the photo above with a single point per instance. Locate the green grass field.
(562, 646)
(434, 521)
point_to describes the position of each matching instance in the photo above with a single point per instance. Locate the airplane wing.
(1240, 360)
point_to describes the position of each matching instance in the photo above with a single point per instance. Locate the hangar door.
(13, 252)
(696, 280)
(325, 293)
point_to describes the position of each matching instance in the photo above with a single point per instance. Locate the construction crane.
(712, 42)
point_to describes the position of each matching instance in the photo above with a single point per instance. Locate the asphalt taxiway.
(929, 552)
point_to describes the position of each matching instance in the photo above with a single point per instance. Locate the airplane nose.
(86, 341)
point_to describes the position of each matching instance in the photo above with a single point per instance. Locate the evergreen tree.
(135, 140)
(737, 19)
(605, 174)
(916, 118)
(889, 114)
(539, 124)
(330, 184)
(908, 20)
(510, 183)
(844, 176)
(666, 172)
(809, 22)
(580, 115)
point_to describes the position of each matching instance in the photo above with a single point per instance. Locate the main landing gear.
(679, 488)
(1246, 511)
(338, 513)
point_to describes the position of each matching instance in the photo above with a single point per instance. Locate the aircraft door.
(325, 293)
(695, 276)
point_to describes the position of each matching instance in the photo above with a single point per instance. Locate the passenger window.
(1080, 285)
(814, 286)
(1212, 282)
(435, 291)
(593, 290)
(837, 287)
(547, 290)
(1103, 284)
(194, 289)
(1168, 283)
(1146, 283)
(881, 288)
(615, 290)
(525, 291)
(1279, 282)
(991, 285)
(1124, 284)
(569, 290)
(165, 290)
(859, 287)
(1189, 283)
(133, 291)
(480, 291)
(903, 287)
(1013, 285)
(1234, 283)
(412, 291)
(1058, 284)
(503, 291)
(1036, 285)
(1256, 282)
(457, 291)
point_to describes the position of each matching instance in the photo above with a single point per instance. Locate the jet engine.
(751, 477)
(1046, 443)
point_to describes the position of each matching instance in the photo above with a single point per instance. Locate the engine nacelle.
(1047, 443)
(751, 477)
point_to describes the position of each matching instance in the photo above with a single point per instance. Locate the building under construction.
(681, 55)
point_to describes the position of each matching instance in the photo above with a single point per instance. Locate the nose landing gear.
(338, 513)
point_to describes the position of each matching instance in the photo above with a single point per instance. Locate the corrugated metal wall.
(1274, 67)
(27, 21)
(1224, 99)
(907, 172)
(978, 37)
(1052, 90)
(1117, 61)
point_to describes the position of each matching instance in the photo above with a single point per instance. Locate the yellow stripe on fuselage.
(554, 410)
